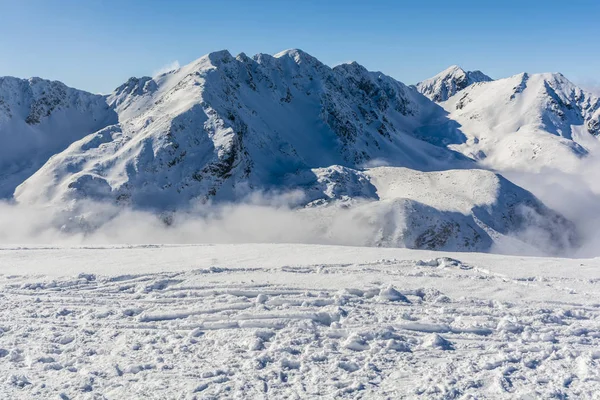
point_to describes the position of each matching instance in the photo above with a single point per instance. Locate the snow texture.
(295, 321)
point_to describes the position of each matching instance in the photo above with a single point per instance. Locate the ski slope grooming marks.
(295, 321)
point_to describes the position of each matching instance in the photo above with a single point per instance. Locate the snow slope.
(39, 118)
(468, 210)
(448, 82)
(295, 321)
(454, 210)
(223, 126)
(526, 122)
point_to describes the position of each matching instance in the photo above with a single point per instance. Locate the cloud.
(173, 65)
(576, 195)
(260, 219)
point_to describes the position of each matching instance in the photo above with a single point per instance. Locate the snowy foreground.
(295, 321)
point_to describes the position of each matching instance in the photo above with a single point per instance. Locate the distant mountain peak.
(450, 81)
(39, 118)
(527, 121)
(299, 57)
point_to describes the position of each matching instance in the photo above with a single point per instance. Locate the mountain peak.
(299, 57)
(450, 81)
(451, 70)
(352, 66)
(292, 53)
(220, 56)
(243, 57)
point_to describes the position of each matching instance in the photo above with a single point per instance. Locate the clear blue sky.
(97, 44)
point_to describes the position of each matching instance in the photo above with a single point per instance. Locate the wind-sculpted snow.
(284, 321)
(39, 118)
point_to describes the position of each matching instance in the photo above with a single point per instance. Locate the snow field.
(262, 321)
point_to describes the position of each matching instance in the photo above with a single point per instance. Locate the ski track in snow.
(391, 328)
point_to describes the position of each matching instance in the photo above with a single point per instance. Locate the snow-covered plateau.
(295, 321)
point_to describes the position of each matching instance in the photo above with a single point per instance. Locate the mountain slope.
(223, 126)
(470, 210)
(454, 210)
(39, 118)
(526, 122)
(448, 82)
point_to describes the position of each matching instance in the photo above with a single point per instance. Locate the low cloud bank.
(575, 195)
(259, 219)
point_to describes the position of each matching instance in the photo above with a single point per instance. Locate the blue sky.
(97, 44)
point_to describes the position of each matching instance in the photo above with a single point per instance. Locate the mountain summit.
(450, 81)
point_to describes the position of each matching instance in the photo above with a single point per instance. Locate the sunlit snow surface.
(295, 321)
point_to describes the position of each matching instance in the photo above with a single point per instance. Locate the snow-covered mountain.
(453, 210)
(526, 122)
(39, 118)
(450, 81)
(223, 127)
